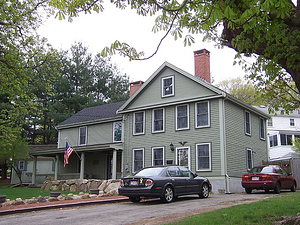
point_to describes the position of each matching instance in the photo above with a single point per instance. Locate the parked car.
(164, 182)
(267, 178)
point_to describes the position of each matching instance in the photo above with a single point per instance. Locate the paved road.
(145, 212)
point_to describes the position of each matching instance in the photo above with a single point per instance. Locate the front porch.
(97, 162)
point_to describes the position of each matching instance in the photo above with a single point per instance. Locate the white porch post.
(56, 167)
(33, 178)
(114, 166)
(82, 166)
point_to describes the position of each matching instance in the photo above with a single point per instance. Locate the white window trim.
(162, 86)
(209, 146)
(164, 120)
(264, 128)
(133, 151)
(114, 127)
(189, 157)
(85, 141)
(293, 122)
(249, 134)
(188, 117)
(19, 165)
(208, 112)
(144, 114)
(252, 158)
(152, 153)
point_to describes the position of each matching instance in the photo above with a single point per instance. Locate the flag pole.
(73, 148)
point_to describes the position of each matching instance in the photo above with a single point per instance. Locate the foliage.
(244, 91)
(12, 153)
(296, 145)
(268, 30)
(263, 212)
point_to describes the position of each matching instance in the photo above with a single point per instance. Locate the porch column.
(33, 178)
(56, 167)
(114, 166)
(82, 166)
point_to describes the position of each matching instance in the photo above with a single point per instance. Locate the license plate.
(255, 178)
(133, 183)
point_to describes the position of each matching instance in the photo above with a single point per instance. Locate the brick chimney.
(134, 86)
(202, 64)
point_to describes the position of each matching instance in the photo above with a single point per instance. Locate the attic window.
(168, 86)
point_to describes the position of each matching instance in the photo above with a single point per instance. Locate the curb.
(60, 205)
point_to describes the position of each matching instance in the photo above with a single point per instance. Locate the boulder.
(41, 199)
(73, 187)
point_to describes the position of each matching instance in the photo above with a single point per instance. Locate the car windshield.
(149, 172)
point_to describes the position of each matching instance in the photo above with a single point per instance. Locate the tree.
(268, 30)
(11, 154)
(241, 90)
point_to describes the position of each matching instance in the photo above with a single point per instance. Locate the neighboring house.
(173, 118)
(282, 132)
(45, 167)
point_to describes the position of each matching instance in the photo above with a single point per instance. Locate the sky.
(97, 31)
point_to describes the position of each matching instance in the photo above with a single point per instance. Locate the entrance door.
(183, 157)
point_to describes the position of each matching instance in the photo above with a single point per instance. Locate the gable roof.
(176, 69)
(200, 81)
(93, 114)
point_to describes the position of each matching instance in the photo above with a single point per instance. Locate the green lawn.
(263, 212)
(26, 192)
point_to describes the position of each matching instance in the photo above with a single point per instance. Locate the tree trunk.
(19, 174)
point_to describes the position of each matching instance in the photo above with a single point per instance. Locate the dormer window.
(168, 86)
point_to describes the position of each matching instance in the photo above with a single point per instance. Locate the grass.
(263, 212)
(25, 192)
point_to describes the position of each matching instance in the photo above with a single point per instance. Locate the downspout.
(223, 144)
(127, 146)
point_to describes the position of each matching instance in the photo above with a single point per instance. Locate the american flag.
(67, 154)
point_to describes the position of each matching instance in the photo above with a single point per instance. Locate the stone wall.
(107, 187)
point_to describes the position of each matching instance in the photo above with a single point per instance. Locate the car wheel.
(248, 190)
(135, 199)
(277, 188)
(204, 193)
(168, 194)
(293, 189)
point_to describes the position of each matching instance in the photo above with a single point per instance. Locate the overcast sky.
(96, 31)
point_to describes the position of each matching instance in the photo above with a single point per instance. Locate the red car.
(268, 178)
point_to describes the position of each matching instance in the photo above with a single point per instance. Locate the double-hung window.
(292, 122)
(158, 120)
(138, 159)
(273, 140)
(202, 114)
(249, 158)
(21, 165)
(203, 159)
(182, 117)
(286, 139)
(139, 123)
(157, 156)
(247, 123)
(262, 128)
(82, 135)
(167, 86)
(117, 133)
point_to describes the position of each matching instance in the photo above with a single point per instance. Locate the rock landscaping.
(86, 188)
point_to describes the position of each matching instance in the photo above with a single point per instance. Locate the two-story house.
(172, 118)
(282, 132)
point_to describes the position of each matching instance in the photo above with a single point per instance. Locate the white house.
(282, 131)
